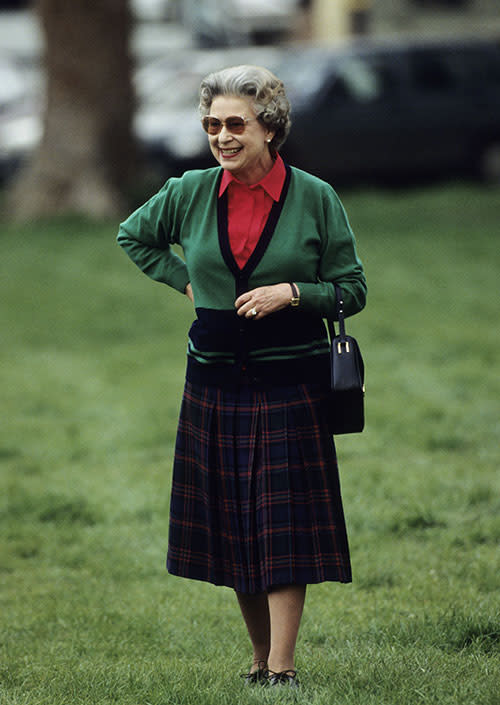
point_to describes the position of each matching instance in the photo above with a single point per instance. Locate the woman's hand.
(264, 300)
(189, 292)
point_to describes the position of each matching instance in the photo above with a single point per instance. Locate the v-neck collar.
(243, 274)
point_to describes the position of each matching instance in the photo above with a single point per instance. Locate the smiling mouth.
(229, 152)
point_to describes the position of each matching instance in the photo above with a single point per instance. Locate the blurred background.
(98, 104)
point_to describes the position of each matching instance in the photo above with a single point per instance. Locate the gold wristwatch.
(295, 300)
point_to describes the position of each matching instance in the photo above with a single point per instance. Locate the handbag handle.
(340, 316)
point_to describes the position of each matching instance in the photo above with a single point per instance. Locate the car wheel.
(489, 166)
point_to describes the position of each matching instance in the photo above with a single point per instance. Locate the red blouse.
(249, 207)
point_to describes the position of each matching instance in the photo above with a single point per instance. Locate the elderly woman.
(256, 502)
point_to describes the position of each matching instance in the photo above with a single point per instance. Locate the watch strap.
(295, 300)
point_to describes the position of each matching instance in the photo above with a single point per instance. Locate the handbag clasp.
(339, 346)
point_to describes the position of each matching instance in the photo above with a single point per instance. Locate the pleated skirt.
(256, 499)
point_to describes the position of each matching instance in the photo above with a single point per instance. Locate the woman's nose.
(224, 134)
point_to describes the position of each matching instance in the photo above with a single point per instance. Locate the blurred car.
(239, 22)
(152, 10)
(391, 111)
(20, 114)
(370, 112)
(13, 4)
(11, 83)
(365, 111)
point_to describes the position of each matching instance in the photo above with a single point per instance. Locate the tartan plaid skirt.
(256, 497)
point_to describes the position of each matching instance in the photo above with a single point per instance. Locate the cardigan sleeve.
(339, 263)
(148, 233)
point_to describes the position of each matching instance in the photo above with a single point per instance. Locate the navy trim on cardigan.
(242, 275)
(262, 375)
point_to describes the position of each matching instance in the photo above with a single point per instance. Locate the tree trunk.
(86, 157)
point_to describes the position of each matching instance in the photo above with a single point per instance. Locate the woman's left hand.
(263, 300)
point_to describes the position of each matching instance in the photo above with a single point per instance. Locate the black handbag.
(346, 412)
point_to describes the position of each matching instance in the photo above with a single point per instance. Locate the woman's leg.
(273, 621)
(285, 610)
(255, 611)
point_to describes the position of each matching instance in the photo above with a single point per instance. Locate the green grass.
(91, 374)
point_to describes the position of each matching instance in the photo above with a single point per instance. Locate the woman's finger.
(262, 301)
(244, 298)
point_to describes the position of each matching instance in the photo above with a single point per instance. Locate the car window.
(481, 66)
(433, 73)
(303, 74)
(457, 69)
(360, 82)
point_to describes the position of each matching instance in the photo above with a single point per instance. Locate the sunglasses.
(233, 124)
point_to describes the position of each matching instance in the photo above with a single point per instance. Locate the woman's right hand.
(189, 292)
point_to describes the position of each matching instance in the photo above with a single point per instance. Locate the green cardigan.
(307, 239)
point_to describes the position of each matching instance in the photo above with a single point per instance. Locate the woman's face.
(246, 156)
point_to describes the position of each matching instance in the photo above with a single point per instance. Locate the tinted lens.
(236, 125)
(213, 126)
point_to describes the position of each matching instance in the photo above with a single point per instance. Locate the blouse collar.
(272, 183)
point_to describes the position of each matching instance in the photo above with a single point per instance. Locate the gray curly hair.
(266, 91)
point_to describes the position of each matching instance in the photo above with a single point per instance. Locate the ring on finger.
(253, 311)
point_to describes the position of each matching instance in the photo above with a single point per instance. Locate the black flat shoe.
(256, 677)
(288, 678)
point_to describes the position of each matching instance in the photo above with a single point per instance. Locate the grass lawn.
(91, 373)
